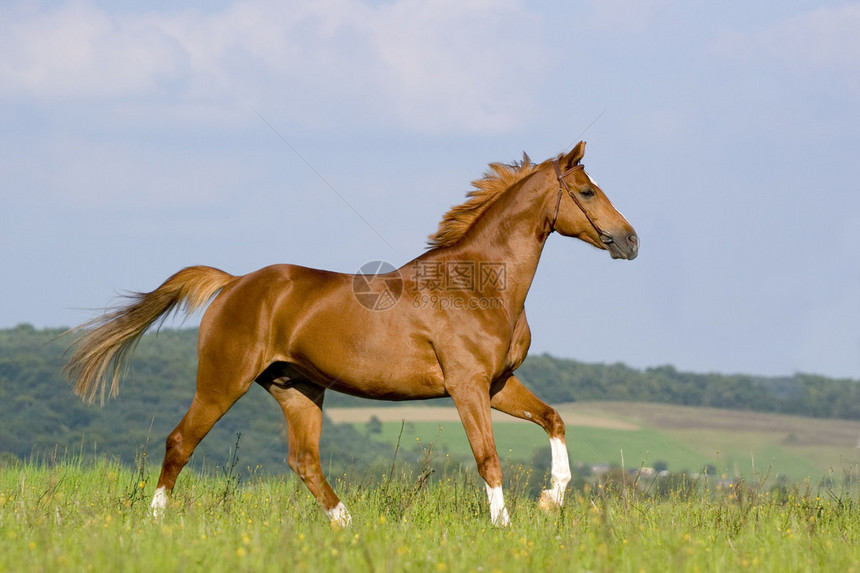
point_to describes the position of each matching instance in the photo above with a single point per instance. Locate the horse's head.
(581, 209)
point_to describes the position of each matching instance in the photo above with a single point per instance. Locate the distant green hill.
(680, 439)
(42, 417)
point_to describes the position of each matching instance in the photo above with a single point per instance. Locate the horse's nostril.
(633, 240)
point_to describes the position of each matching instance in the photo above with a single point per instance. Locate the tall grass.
(73, 516)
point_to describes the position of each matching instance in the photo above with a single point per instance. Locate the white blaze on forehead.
(593, 182)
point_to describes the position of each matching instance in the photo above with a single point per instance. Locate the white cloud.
(826, 38)
(468, 65)
(79, 51)
(820, 48)
(626, 16)
(474, 62)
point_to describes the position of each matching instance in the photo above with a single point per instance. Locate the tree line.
(41, 417)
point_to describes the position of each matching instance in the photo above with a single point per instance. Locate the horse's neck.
(510, 234)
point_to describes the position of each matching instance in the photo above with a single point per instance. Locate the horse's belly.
(385, 390)
(382, 372)
(339, 344)
(394, 384)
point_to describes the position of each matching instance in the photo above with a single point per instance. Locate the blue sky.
(132, 145)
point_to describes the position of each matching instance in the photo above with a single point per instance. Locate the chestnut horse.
(449, 323)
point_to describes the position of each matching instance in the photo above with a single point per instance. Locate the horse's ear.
(575, 156)
(526, 159)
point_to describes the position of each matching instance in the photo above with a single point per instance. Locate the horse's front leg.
(518, 401)
(473, 405)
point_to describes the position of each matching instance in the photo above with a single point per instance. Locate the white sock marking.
(159, 502)
(498, 511)
(339, 515)
(560, 475)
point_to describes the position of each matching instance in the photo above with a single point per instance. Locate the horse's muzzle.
(624, 247)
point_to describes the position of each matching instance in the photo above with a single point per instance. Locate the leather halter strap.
(562, 186)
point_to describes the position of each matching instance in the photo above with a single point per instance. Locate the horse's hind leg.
(518, 401)
(209, 404)
(302, 406)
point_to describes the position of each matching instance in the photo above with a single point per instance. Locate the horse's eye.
(587, 193)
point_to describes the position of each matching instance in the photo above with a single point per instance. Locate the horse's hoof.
(339, 516)
(502, 519)
(549, 500)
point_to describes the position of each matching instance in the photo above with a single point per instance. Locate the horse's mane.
(496, 180)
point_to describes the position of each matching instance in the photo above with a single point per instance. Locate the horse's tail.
(101, 353)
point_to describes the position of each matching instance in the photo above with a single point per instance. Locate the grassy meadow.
(425, 509)
(738, 444)
(73, 516)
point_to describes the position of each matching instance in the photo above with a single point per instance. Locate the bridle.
(562, 186)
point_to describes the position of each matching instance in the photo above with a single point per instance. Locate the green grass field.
(744, 456)
(93, 517)
(520, 441)
(738, 444)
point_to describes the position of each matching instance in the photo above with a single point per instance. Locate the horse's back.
(311, 319)
(255, 306)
